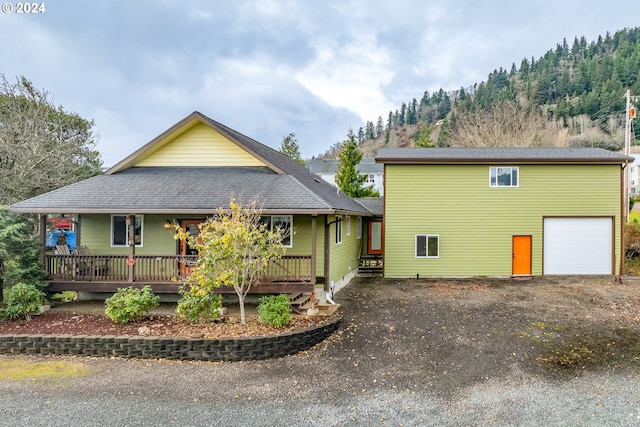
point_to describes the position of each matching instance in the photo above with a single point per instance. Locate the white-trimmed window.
(506, 176)
(338, 239)
(285, 223)
(427, 245)
(347, 221)
(358, 227)
(120, 230)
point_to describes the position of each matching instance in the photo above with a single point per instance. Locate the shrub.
(275, 310)
(130, 304)
(632, 239)
(196, 304)
(22, 300)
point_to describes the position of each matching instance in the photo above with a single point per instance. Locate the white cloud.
(350, 75)
(270, 67)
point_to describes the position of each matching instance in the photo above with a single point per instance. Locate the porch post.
(43, 240)
(131, 228)
(78, 230)
(313, 249)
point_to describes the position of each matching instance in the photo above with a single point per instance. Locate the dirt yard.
(547, 351)
(458, 331)
(453, 333)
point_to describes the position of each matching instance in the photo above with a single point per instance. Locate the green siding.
(344, 257)
(476, 222)
(96, 235)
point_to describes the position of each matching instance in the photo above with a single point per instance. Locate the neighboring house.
(183, 176)
(634, 176)
(502, 211)
(327, 170)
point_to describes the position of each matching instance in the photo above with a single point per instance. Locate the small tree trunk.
(243, 318)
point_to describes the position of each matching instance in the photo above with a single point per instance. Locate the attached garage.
(578, 245)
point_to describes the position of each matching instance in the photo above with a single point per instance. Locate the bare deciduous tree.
(503, 125)
(42, 147)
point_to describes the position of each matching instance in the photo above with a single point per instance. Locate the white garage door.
(577, 245)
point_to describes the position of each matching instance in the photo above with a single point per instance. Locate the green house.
(124, 217)
(502, 211)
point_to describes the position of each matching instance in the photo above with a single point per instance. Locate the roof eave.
(143, 211)
(573, 160)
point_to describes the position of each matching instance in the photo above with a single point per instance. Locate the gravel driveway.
(476, 352)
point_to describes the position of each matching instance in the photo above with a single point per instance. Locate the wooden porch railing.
(157, 269)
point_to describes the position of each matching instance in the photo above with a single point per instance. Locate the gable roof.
(504, 155)
(281, 186)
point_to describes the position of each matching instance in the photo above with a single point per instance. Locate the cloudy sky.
(270, 67)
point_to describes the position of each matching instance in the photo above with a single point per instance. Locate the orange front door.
(190, 225)
(521, 256)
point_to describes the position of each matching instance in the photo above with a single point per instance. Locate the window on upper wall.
(347, 223)
(120, 230)
(284, 222)
(338, 239)
(358, 227)
(427, 246)
(503, 176)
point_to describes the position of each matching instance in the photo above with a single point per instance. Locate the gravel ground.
(542, 352)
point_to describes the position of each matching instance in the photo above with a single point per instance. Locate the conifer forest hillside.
(573, 96)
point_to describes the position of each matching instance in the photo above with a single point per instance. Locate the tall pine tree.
(350, 181)
(291, 148)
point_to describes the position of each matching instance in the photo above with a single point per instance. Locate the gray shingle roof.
(506, 155)
(284, 186)
(329, 166)
(374, 204)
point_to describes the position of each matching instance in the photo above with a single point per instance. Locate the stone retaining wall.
(214, 350)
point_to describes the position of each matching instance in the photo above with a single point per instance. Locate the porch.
(165, 273)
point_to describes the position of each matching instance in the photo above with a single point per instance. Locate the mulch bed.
(91, 324)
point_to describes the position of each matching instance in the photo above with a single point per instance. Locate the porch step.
(301, 302)
(370, 265)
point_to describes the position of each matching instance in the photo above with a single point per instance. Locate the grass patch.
(579, 351)
(65, 296)
(632, 266)
(16, 370)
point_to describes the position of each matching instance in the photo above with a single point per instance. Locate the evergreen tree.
(423, 137)
(289, 147)
(369, 132)
(413, 112)
(402, 115)
(19, 251)
(349, 180)
(379, 127)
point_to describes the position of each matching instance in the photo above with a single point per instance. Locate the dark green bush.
(196, 304)
(22, 300)
(130, 304)
(275, 310)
